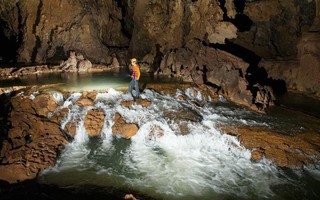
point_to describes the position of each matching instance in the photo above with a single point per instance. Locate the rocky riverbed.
(32, 136)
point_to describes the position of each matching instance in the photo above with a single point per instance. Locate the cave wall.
(44, 32)
(171, 24)
(277, 27)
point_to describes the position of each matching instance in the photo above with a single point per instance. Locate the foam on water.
(196, 164)
(203, 163)
(58, 96)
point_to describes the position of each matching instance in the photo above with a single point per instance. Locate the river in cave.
(202, 164)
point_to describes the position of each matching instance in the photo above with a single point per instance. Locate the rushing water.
(203, 164)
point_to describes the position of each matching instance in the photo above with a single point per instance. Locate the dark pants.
(134, 83)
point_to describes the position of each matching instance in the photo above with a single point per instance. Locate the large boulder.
(33, 141)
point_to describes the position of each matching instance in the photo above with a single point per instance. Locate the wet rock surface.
(31, 142)
(122, 128)
(292, 151)
(94, 122)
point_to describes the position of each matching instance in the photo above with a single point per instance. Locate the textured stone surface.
(122, 128)
(48, 30)
(33, 141)
(94, 122)
(293, 151)
(100, 28)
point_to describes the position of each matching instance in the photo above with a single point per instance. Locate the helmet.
(133, 60)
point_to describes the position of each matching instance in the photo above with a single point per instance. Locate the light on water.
(203, 164)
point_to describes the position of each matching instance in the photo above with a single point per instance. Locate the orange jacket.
(135, 72)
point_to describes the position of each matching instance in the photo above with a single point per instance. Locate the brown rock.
(90, 94)
(35, 140)
(122, 128)
(286, 151)
(14, 173)
(83, 101)
(130, 197)
(196, 103)
(58, 116)
(94, 122)
(182, 98)
(308, 79)
(126, 103)
(183, 115)
(257, 154)
(168, 88)
(71, 128)
(75, 21)
(142, 102)
(84, 66)
(45, 103)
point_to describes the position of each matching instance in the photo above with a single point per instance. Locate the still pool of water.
(82, 81)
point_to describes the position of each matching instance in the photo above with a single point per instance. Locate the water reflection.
(82, 81)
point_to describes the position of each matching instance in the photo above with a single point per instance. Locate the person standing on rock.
(135, 78)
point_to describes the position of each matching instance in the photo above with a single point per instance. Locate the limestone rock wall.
(47, 30)
(44, 32)
(171, 24)
(277, 27)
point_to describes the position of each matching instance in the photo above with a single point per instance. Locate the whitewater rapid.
(203, 164)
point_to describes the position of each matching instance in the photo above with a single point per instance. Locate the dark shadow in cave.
(157, 59)
(240, 5)
(126, 20)
(59, 54)
(8, 52)
(239, 51)
(254, 74)
(241, 21)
